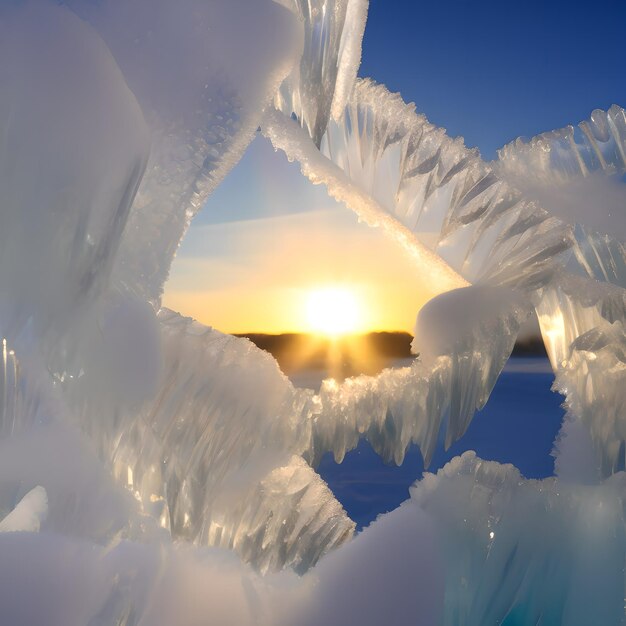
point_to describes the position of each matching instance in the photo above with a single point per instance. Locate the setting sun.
(333, 311)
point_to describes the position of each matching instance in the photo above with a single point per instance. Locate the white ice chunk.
(392, 572)
(202, 72)
(574, 455)
(524, 551)
(450, 322)
(28, 514)
(288, 519)
(58, 580)
(73, 148)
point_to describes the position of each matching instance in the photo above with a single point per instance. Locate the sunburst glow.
(333, 311)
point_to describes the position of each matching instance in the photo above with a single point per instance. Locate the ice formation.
(526, 552)
(28, 514)
(169, 468)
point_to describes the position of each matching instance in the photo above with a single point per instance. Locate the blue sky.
(492, 71)
(488, 71)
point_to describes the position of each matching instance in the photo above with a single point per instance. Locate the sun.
(333, 311)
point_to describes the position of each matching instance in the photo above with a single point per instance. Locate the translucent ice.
(322, 82)
(523, 551)
(200, 119)
(575, 173)
(28, 514)
(61, 219)
(163, 461)
(594, 379)
(582, 323)
(391, 165)
(571, 152)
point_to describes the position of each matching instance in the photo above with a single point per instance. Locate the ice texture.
(572, 152)
(574, 314)
(28, 514)
(201, 119)
(210, 455)
(576, 173)
(61, 219)
(321, 84)
(411, 172)
(524, 551)
(287, 136)
(287, 520)
(161, 585)
(593, 379)
(169, 467)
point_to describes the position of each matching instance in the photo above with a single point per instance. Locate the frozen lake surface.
(518, 425)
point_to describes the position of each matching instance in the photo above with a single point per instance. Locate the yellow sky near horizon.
(267, 238)
(265, 285)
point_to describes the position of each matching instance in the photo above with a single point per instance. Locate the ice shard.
(28, 514)
(575, 173)
(572, 312)
(202, 118)
(460, 361)
(211, 454)
(320, 85)
(522, 551)
(441, 192)
(289, 519)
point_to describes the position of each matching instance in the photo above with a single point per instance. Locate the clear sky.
(488, 71)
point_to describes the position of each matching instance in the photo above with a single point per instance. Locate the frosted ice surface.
(321, 84)
(573, 312)
(524, 551)
(211, 454)
(28, 514)
(598, 144)
(200, 119)
(575, 173)
(442, 192)
(61, 219)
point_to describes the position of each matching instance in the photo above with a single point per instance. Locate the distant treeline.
(354, 354)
